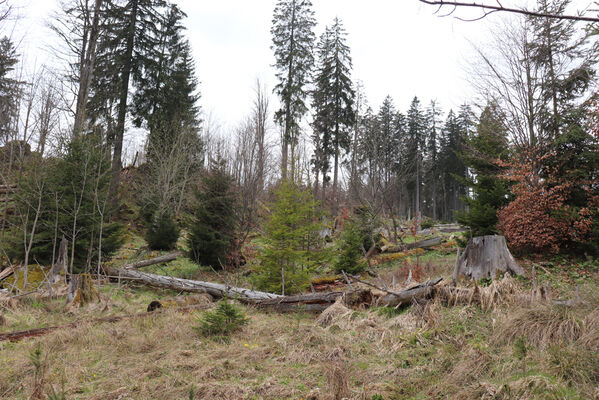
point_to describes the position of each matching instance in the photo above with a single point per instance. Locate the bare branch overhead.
(492, 8)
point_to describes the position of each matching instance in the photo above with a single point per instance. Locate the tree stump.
(486, 257)
(81, 291)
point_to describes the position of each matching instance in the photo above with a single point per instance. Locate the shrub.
(427, 223)
(213, 223)
(291, 242)
(221, 322)
(555, 207)
(162, 233)
(350, 248)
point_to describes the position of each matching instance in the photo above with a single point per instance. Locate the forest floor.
(512, 350)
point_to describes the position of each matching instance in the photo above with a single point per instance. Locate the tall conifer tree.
(293, 40)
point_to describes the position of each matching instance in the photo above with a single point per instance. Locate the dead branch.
(490, 8)
(152, 261)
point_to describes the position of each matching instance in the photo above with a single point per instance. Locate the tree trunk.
(315, 301)
(406, 297)
(120, 128)
(152, 261)
(485, 257)
(81, 290)
(87, 71)
(186, 285)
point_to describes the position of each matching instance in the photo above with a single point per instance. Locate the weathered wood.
(5, 273)
(81, 290)
(407, 296)
(421, 244)
(61, 265)
(187, 285)
(485, 257)
(152, 261)
(316, 301)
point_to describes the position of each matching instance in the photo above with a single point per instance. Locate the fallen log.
(421, 244)
(407, 296)
(5, 273)
(152, 261)
(18, 335)
(486, 257)
(187, 285)
(316, 301)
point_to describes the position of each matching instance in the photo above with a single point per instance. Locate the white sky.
(398, 47)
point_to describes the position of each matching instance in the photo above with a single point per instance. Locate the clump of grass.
(222, 322)
(543, 325)
(337, 379)
(575, 364)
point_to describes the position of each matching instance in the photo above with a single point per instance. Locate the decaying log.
(152, 261)
(407, 296)
(421, 244)
(5, 273)
(187, 285)
(180, 301)
(316, 301)
(485, 257)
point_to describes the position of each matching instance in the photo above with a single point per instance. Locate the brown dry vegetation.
(435, 350)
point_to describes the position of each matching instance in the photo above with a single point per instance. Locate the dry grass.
(432, 350)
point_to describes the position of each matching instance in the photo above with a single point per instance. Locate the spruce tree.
(9, 87)
(489, 193)
(415, 147)
(334, 96)
(74, 203)
(291, 245)
(293, 39)
(431, 162)
(213, 218)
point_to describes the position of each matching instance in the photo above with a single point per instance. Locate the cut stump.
(486, 257)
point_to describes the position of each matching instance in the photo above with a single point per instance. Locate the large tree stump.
(486, 257)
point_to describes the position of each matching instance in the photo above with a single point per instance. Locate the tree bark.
(152, 261)
(122, 114)
(186, 285)
(485, 257)
(406, 297)
(87, 71)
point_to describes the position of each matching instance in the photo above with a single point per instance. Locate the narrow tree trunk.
(87, 71)
(122, 114)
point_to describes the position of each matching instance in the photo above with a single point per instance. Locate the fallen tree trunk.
(187, 285)
(5, 273)
(407, 296)
(416, 245)
(152, 261)
(316, 301)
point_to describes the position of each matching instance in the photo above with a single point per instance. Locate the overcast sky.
(398, 47)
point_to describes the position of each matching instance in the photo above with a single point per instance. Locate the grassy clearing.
(431, 351)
